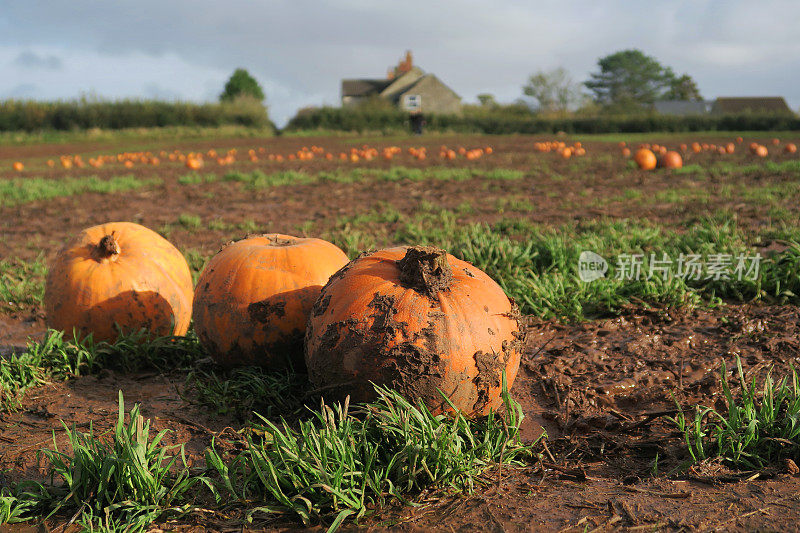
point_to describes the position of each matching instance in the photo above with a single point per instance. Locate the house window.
(412, 102)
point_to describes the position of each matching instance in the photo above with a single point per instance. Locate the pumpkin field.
(449, 332)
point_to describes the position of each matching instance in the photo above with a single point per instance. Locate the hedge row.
(27, 115)
(353, 120)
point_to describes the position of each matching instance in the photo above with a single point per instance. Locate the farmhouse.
(406, 86)
(723, 105)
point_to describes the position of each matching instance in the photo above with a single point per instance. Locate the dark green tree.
(629, 79)
(240, 84)
(682, 88)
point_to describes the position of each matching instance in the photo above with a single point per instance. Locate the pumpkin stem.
(108, 246)
(425, 269)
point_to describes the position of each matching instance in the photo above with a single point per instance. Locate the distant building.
(683, 107)
(723, 105)
(771, 104)
(406, 86)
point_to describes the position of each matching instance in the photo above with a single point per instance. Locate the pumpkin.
(626, 152)
(417, 320)
(761, 151)
(253, 298)
(117, 277)
(18, 166)
(645, 159)
(790, 148)
(194, 163)
(671, 159)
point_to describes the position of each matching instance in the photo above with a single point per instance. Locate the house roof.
(398, 85)
(768, 104)
(426, 78)
(363, 87)
(682, 107)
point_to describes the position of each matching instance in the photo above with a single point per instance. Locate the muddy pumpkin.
(417, 320)
(253, 298)
(117, 277)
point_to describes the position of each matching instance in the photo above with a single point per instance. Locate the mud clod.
(490, 373)
(426, 270)
(265, 310)
(108, 246)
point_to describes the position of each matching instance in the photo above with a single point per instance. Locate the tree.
(487, 100)
(682, 88)
(553, 90)
(240, 84)
(629, 79)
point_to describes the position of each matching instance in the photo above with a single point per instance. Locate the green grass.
(343, 461)
(242, 391)
(21, 283)
(19, 191)
(55, 359)
(195, 178)
(190, 221)
(261, 180)
(128, 478)
(760, 428)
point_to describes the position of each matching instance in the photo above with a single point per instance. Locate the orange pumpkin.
(761, 151)
(194, 163)
(790, 148)
(118, 275)
(626, 152)
(645, 159)
(671, 159)
(417, 320)
(253, 298)
(18, 166)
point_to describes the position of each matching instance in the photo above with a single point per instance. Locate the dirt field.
(599, 388)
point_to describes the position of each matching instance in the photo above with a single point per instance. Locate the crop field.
(657, 388)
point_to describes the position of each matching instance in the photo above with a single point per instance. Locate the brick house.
(406, 86)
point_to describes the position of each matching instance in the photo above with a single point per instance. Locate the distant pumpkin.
(790, 148)
(645, 158)
(118, 276)
(671, 159)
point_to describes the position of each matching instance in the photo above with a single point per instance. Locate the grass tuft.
(342, 461)
(25, 190)
(758, 429)
(22, 283)
(55, 358)
(241, 391)
(127, 478)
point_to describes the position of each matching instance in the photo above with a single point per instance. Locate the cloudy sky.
(300, 49)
